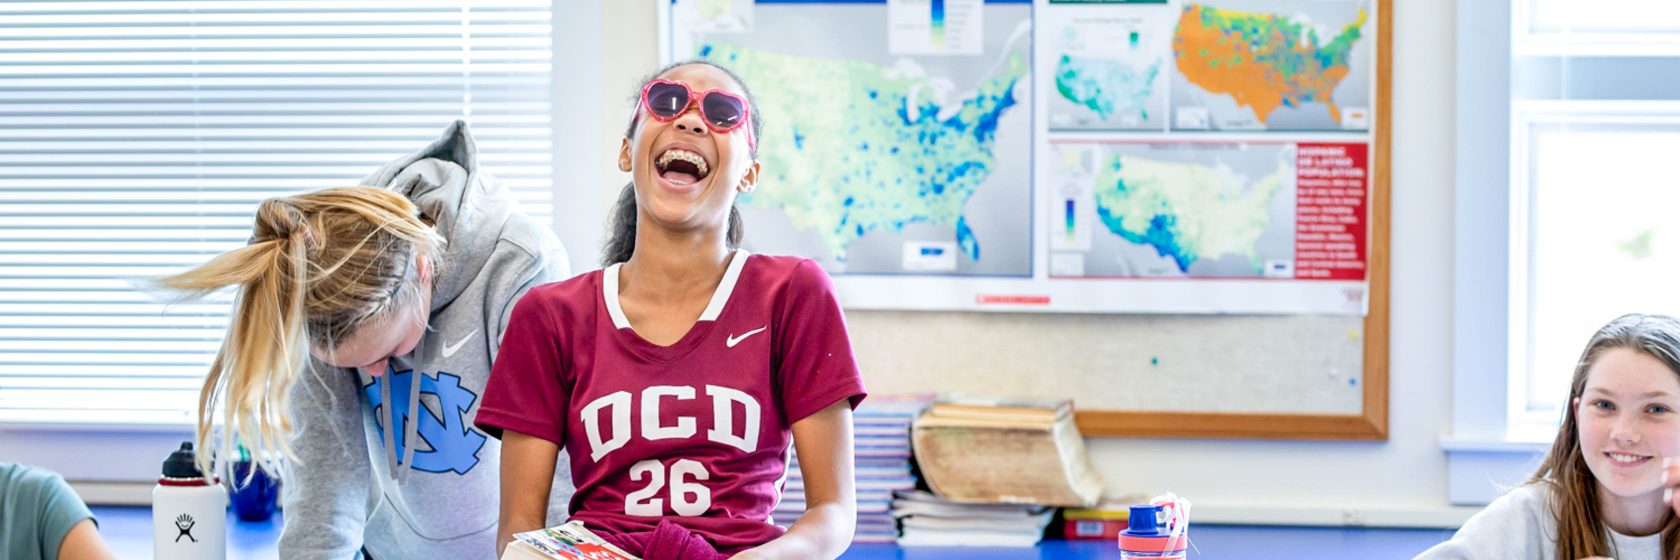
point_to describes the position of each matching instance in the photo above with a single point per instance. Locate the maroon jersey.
(696, 432)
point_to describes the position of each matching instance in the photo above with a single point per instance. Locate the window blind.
(136, 139)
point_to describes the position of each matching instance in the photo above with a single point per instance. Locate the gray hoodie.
(428, 488)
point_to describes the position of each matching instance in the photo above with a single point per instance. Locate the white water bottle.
(189, 511)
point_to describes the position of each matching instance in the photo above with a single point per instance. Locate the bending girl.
(365, 322)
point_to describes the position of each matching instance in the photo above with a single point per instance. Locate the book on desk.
(570, 541)
(1019, 452)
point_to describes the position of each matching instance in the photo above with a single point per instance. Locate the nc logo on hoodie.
(454, 443)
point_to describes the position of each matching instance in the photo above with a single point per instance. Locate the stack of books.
(933, 521)
(881, 439)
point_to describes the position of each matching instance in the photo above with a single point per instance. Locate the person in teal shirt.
(41, 518)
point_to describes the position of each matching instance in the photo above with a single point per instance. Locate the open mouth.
(682, 167)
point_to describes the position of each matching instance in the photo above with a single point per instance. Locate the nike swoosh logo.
(451, 349)
(736, 339)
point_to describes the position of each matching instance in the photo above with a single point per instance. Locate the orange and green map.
(1263, 61)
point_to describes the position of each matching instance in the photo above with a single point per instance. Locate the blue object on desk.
(129, 532)
(255, 494)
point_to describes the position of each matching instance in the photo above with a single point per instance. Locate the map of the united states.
(851, 147)
(1263, 61)
(1105, 86)
(1187, 211)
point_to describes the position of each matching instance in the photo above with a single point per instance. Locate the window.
(1601, 240)
(1592, 194)
(1568, 122)
(136, 139)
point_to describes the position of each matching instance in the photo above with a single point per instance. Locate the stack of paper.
(933, 521)
(881, 436)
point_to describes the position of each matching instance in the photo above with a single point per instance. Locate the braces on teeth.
(672, 155)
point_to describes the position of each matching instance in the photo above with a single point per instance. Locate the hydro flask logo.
(185, 524)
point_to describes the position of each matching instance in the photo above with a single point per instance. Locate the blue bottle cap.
(1141, 521)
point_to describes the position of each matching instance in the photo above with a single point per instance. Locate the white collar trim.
(609, 290)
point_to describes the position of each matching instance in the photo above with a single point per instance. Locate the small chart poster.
(1101, 156)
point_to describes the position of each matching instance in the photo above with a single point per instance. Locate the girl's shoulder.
(786, 271)
(1529, 492)
(1518, 524)
(776, 263)
(1527, 505)
(1531, 495)
(579, 292)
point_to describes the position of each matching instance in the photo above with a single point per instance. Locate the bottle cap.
(181, 463)
(1141, 521)
(1144, 533)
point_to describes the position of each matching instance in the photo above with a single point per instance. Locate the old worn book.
(1008, 457)
(571, 541)
(1018, 410)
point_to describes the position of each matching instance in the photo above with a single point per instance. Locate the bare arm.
(83, 543)
(824, 442)
(527, 475)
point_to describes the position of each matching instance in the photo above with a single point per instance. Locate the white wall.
(577, 117)
(628, 53)
(1398, 482)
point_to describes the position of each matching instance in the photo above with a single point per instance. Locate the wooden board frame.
(1372, 422)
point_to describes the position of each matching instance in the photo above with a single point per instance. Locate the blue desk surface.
(129, 532)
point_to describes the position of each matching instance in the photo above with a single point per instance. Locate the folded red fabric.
(668, 541)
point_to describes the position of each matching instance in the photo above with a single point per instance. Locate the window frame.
(1481, 457)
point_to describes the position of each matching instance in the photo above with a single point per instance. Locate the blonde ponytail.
(318, 266)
